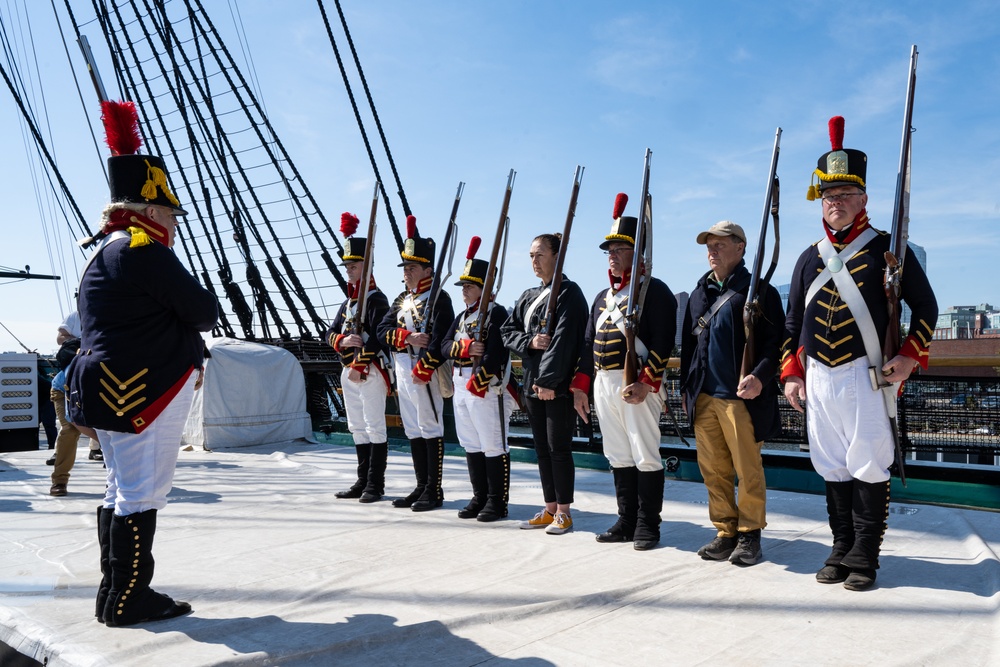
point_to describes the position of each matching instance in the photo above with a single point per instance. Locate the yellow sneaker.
(540, 520)
(561, 523)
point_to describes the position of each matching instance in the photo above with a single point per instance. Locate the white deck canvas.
(279, 572)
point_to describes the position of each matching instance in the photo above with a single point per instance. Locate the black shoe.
(426, 505)
(644, 545)
(369, 497)
(832, 574)
(860, 580)
(472, 510)
(410, 499)
(51, 461)
(492, 511)
(747, 551)
(96, 455)
(614, 535)
(721, 548)
(353, 492)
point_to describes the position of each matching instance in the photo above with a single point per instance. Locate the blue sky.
(468, 90)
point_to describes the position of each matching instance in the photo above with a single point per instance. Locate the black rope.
(303, 296)
(285, 157)
(371, 105)
(40, 142)
(361, 126)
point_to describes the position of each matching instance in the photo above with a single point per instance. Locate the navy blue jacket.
(141, 313)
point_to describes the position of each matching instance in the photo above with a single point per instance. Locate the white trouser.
(141, 465)
(631, 433)
(415, 404)
(365, 405)
(846, 420)
(477, 420)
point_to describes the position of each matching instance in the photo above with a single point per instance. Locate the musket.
(896, 255)
(637, 287)
(437, 284)
(367, 264)
(447, 250)
(758, 283)
(494, 272)
(95, 76)
(548, 320)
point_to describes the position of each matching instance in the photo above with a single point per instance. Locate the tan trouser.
(727, 449)
(66, 441)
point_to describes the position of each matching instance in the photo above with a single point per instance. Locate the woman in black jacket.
(548, 362)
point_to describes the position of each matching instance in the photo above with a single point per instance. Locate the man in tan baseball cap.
(731, 414)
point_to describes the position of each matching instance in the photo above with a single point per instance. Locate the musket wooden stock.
(550, 309)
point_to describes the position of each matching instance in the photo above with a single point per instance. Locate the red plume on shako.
(348, 224)
(354, 249)
(623, 228)
(121, 127)
(474, 244)
(475, 269)
(620, 202)
(836, 127)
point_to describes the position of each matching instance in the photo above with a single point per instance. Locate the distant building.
(920, 255)
(964, 323)
(682, 304)
(783, 293)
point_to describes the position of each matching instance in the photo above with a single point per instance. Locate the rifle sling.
(703, 321)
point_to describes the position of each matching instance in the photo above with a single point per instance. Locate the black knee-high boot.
(498, 481)
(130, 599)
(647, 525)
(839, 501)
(104, 515)
(364, 460)
(627, 494)
(870, 512)
(418, 454)
(433, 495)
(375, 488)
(480, 486)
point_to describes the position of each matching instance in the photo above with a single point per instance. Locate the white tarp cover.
(252, 394)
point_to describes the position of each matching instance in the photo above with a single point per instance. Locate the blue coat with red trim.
(141, 312)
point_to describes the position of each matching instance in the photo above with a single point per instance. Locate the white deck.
(281, 573)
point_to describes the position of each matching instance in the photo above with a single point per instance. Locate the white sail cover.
(253, 394)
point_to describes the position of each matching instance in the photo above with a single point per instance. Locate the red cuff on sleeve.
(648, 379)
(422, 372)
(399, 338)
(463, 348)
(790, 366)
(335, 340)
(581, 381)
(914, 350)
(475, 388)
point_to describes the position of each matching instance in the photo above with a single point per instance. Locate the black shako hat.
(133, 178)
(839, 166)
(475, 269)
(416, 250)
(623, 229)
